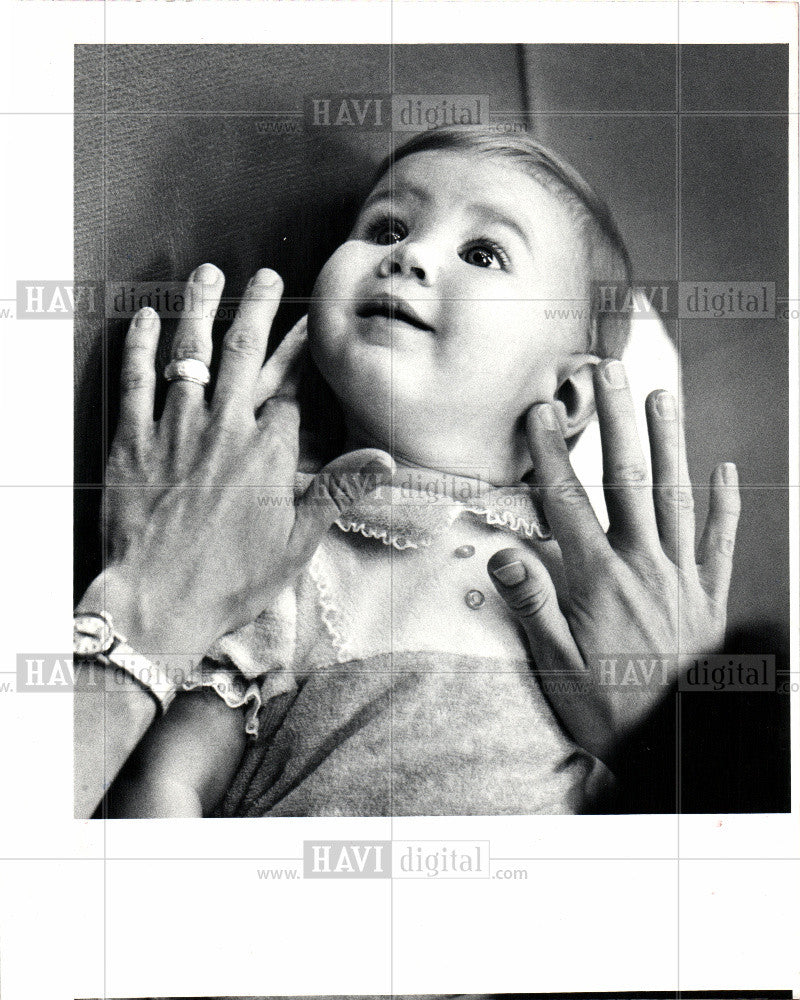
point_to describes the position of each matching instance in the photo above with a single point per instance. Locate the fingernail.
(546, 416)
(206, 274)
(614, 374)
(146, 315)
(511, 574)
(730, 474)
(265, 276)
(665, 406)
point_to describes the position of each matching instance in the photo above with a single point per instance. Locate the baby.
(392, 679)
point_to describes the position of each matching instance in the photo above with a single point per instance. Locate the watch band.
(95, 639)
(152, 676)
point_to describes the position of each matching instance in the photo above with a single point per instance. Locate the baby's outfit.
(393, 680)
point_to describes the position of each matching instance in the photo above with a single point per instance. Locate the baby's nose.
(411, 259)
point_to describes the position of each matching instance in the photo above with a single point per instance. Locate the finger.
(193, 338)
(279, 422)
(280, 375)
(333, 491)
(566, 504)
(138, 375)
(527, 588)
(626, 482)
(570, 685)
(672, 489)
(719, 535)
(245, 343)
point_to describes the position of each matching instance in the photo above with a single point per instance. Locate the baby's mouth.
(393, 309)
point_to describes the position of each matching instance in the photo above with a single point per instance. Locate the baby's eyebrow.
(392, 194)
(492, 214)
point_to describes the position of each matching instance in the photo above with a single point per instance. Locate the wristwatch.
(94, 638)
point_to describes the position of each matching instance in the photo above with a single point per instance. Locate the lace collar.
(410, 513)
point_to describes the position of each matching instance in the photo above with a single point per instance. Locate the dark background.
(174, 166)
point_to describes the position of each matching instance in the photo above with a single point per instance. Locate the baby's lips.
(393, 307)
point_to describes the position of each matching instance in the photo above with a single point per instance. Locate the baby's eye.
(485, 253)
(386, 230)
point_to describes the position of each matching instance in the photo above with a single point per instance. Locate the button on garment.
(475, 599)
(407, 599)
(464, 551)
(415, 694)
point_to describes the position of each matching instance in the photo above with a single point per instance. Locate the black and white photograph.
(401, 398)
(414, 431)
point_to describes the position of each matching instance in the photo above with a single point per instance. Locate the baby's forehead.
(460, 169)
(457, 180)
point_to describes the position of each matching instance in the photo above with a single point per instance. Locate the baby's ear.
(574, 399)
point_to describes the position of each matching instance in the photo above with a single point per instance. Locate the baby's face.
(432, 322)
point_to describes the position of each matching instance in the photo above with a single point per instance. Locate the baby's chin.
(375, 382)
(389, 403)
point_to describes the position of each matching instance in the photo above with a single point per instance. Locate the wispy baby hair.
(607, 256)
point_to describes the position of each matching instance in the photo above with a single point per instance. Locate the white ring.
(187, 370)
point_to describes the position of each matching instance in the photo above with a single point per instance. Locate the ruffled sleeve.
(254, 664)
(234, 690)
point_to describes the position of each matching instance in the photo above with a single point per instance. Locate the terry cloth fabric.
(412, 734)
(409, 690)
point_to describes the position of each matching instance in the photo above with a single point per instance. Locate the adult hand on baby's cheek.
(639, 592)
(201, 519)
(282, 374)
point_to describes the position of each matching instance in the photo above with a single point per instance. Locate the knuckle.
(119, 460)
(627, 472)
(530, 601)
(568, 492)
(138, 346)
(679, 497)
(278, 446)
(132, 378)
(723, 542)
(189, 345)
(242, 341)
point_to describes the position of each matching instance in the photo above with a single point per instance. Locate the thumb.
(281, 374)
(526, 587)
(331, 493)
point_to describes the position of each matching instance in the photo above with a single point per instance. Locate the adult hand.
(200, 515)
(641, 590)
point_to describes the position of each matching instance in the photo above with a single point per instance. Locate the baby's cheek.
(499, 339)
(325, 287)
(327, 323)
(499, 323)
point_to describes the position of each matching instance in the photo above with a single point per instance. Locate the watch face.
(91, 635)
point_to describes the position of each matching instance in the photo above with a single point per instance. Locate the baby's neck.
(410, 471)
